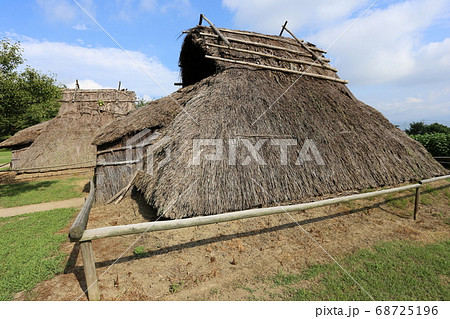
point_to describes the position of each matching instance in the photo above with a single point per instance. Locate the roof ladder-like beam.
(221, 36)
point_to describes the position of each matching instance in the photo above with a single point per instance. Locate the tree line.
(27, 97)
(434, 137)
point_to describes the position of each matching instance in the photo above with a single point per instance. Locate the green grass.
(390, 271)
(5, 157)
(36, 192)
(29, 249)
(175, 287)
(401, 203)
(140, 251)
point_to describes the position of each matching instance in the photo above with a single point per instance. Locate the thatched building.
(260, 122)
(21, 141)
(65, 142)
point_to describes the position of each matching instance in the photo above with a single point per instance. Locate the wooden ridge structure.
(265, 51)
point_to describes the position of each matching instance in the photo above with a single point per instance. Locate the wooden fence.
(444, 160)
(79, 233)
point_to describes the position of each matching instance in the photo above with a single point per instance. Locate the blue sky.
(396, 56)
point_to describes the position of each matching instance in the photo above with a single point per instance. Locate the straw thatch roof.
(24, 137)
(66, 141)
(247, 108)
(156, 114)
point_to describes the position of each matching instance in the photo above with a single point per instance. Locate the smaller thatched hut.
(21, 141)
(65, 142)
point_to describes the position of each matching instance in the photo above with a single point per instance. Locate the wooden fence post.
(416, 204)
(89, 270)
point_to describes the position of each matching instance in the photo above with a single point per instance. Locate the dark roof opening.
(194, 66)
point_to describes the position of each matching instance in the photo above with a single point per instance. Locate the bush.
(438, 144)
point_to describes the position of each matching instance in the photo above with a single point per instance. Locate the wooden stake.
(216, 30)
(416, 205)
(89, 270)
(125, 190)
(282, 28)
(315, 56)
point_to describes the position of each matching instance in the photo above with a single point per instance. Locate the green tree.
(420, 128)
(27, 97)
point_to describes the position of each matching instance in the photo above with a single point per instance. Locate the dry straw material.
(65, 142)
(25, 137)
(247, 109)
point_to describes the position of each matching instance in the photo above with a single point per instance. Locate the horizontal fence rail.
(79, 225)
(97, 233)
(443, 159)
(86, 237)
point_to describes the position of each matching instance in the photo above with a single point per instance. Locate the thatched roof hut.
(65, 142)
(21, 141)
(247, 130)
(24, 137)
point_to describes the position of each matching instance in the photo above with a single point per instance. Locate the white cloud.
(148, 5)
(80, 27)
(384, 45)
(128, 10)
(182, 7)
(269, 15)
(87, 84)
(102, 67)
(413, 100)
(58, 10)
(66, 11)
(386, 55)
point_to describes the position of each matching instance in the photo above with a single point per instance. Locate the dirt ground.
(220, 261)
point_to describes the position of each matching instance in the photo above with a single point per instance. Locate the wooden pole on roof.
(315, 56)
(282, 28)
(262, 66)
(215, 29)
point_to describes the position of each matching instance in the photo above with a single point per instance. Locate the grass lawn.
(5, 157)
(389, 271)
(39, 192)
(29, 249)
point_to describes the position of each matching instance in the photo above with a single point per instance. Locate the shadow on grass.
(20, 188)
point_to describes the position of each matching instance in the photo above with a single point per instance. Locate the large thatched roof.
(248, 108)
(25, 136)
